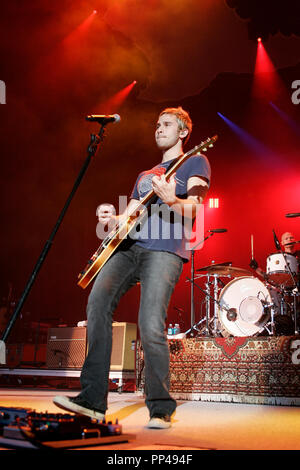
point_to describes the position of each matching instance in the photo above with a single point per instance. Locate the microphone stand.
(91, 152)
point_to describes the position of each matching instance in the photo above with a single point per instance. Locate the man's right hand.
(106, 214)
(107, 220)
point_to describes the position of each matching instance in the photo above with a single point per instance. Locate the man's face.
(287, 238)
(167, 132)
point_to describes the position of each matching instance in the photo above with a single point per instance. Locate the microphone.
(276, 241)
(218, 230)
(293, 214)
(103, 118)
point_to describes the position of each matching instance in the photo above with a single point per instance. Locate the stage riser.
(245, 370)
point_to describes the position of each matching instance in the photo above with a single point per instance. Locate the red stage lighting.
(113, 103)
(267, 83)
(81, 29)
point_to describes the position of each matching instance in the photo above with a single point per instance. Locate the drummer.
(288, 244)
(284, 324)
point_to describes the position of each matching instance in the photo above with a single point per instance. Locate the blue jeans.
(158, 273)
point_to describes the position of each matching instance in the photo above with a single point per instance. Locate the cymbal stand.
(282, 302)
(295, 294)
(216, 296)
(271, 322)
(208, 318)
(209, 297)
(192, 282)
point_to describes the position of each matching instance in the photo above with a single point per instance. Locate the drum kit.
(247, 306)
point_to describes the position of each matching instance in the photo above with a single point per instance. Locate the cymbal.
(227, 270)
(219, 265)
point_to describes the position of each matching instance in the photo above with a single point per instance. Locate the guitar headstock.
(203, 146)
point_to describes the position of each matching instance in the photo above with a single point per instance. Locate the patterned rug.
(248, 370)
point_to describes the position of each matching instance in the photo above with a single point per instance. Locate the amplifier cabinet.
(67, 347)
(123, 346)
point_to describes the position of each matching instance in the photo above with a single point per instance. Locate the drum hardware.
(191, 330)
(286, 303)
(207, 330)
(213, 274)
(215, 271)
(211, 233)
(269, 312)
(215, 290)
(208, 297)
(232, 314)
(290, 262)
(295, 294)
(194, 331)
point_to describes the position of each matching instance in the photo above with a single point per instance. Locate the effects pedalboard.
(56, 430)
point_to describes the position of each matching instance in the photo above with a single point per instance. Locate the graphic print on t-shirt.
(145, 182)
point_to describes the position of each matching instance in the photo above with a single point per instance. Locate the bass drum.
(244, 307)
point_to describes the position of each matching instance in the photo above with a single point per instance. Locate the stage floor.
(195, 425)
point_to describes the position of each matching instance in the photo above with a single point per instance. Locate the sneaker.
(159, 421)
(78, 406)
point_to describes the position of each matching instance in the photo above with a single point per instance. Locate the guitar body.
(94, 265)
(117, 236)
(105, 251)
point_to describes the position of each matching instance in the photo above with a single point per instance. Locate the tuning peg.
(204, 149)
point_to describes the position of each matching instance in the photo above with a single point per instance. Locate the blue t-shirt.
(165, 229)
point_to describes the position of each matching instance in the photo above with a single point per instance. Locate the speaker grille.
(66, 348)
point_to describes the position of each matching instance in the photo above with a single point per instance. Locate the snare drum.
(277, 269)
